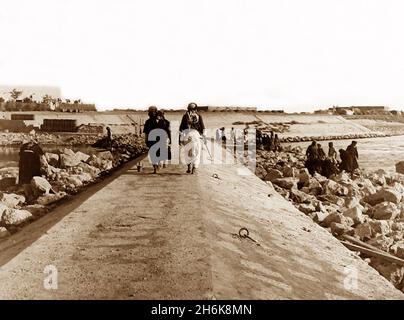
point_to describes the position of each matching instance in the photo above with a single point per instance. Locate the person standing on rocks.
(352, 157)
(109, 138)
(271, 145)
(312, 156)
(192, 133)
(31, 160)
(277, 144)
(149, 126)
(332, 153)
(164, 124)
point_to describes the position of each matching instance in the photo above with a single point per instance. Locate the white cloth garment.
(193, 148)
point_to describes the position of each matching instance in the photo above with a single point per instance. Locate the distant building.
(76, 107)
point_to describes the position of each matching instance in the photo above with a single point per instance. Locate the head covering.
(192, 106)
(152, 109)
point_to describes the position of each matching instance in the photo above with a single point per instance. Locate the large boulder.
(380, 227)
(273, 174)
(304, 177)
(383, 195)
(40, 186)
(289, 171)
(306, 208)
(93, 171)
(52, 159)
(15, 217)
(313, 187)
(286, 183)
(366, 186)
(385, 211)
(82, 157)
(75, 181)
(338, 218)
(364, 231)
(51, 198)
(351, 202)
(301, 197)
(341, 177)
(355, 214)
(378, 178)
(340, 202)
(339, 229)
(332, 187)
(11, 200)
(68, 160)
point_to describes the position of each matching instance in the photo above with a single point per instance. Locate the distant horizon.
(39, 91)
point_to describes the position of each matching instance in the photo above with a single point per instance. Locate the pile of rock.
(65, 174)
(369, 207)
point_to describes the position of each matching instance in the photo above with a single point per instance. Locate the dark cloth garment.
(321, 154)
(30, 162)
(344, 160)
(192, 121)
(352, 158)
(312, 152)
(150, 125)
(166, 126)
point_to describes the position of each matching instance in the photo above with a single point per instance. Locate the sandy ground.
(173, 236)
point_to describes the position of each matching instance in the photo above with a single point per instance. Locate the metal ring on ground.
(244, 233)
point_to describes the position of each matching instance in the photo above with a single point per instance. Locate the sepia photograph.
(201, 155)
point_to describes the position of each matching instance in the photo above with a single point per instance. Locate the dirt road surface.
(174, 236)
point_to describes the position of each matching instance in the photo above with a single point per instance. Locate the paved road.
(173, 236)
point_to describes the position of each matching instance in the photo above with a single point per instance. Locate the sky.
(297, 55)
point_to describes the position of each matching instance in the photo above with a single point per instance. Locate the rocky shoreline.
(343, 137)
(368, 209)
(66, 174)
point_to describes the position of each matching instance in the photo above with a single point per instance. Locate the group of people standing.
(328, 164)
(270, 143)
(191, 131)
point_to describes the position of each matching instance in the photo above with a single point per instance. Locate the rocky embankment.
(338, 137)
(64, 175)
(44, 138)
(368, 209)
